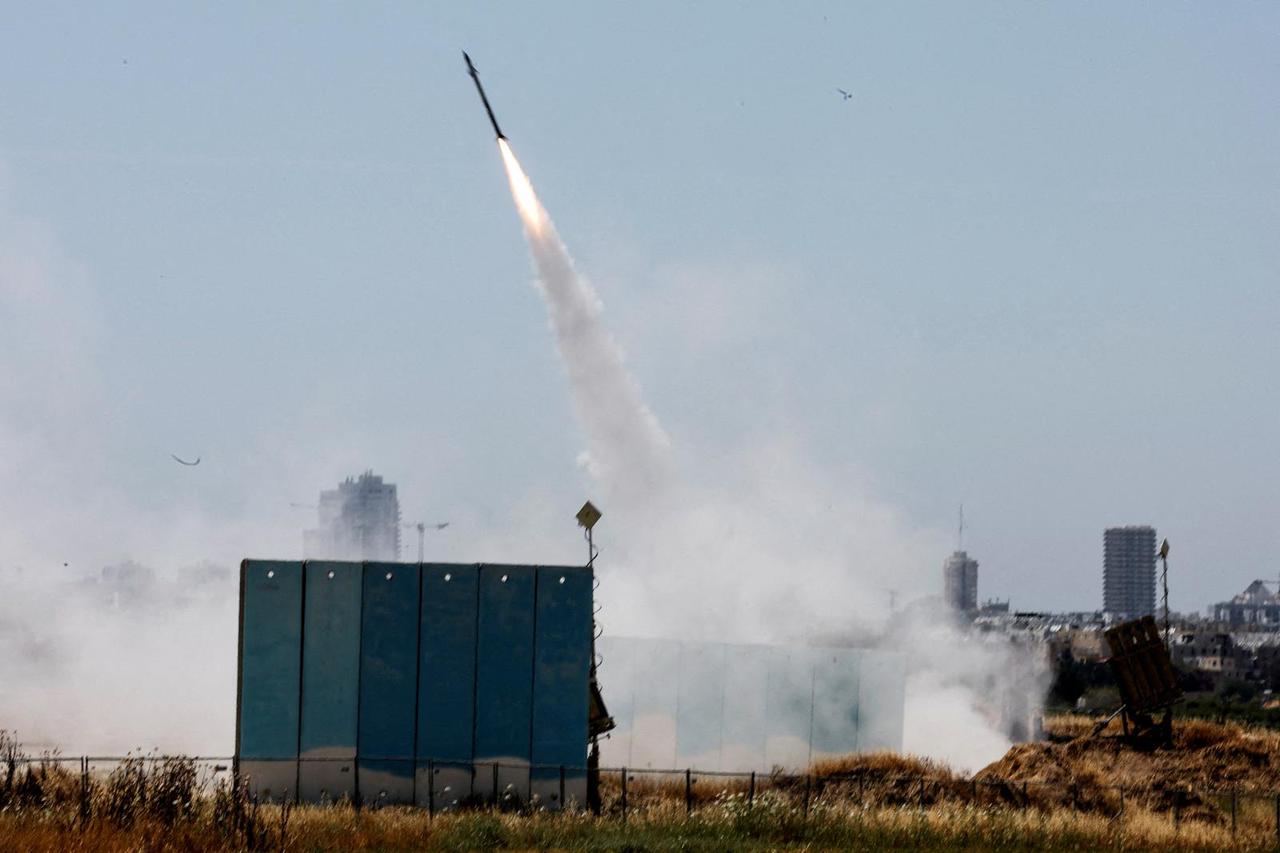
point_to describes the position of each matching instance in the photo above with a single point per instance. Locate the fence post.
(808, 780)
(431, 787)
(495, 783)
(284, 821)
(862, 787)
(1234, 795)
(921, 793)
(1026, 798)
(561, 787)
(624, 795)
(84, 791)
(688, 790)
(1075, 797)
(751, 799)
(1177, 808)
(973, 789)
(254, 828)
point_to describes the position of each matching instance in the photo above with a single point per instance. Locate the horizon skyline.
(983, 600)
(1029, 267)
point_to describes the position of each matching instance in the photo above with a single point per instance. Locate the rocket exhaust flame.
(531, 211)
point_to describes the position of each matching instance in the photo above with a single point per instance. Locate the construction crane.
(421, 527)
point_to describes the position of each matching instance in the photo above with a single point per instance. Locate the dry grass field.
(772, 823)
(1077, 793)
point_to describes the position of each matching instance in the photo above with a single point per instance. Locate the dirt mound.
(1102, 773)
(881, 763)
(889, 779)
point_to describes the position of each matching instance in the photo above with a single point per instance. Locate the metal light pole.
(587, 518)
(1164, 581)
(421, 527)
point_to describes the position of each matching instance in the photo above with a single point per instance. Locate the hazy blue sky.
(1031, 265)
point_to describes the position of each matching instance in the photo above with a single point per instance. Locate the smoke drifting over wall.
(773, 552)
(756, 543)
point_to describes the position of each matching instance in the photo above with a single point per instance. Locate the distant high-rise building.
(359, 520)
(960, 582)
(1129, 571)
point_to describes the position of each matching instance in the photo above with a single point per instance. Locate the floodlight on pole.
(587, 518)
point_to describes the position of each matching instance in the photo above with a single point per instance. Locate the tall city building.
(1129, 571)
(960, 582)
(359, 520)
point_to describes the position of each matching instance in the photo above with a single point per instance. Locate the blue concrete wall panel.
(701, 700)
(835, 702)
(789, 703)
(746, 677)
(504, 681)
(330, 678)
(270, 676)
(881, 701)
(561, 674)
(617, 675)
(446, 683)
(388, 682)
(655, 698)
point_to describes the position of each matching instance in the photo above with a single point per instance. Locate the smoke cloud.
(87, 665)
(758, 542)
(773, 550)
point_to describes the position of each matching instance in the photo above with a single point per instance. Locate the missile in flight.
(471, 69)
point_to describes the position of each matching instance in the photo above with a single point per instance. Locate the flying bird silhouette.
(182, 461)
(845, 95)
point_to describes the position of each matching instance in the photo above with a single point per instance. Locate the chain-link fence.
(111, 785)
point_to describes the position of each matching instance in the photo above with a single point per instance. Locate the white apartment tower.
(359, 520)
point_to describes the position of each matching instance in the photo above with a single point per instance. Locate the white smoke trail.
(628, 450)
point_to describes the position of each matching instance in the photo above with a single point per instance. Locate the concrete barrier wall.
(405, 682)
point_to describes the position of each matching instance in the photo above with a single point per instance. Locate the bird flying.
(845, 95)
(182, 461)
